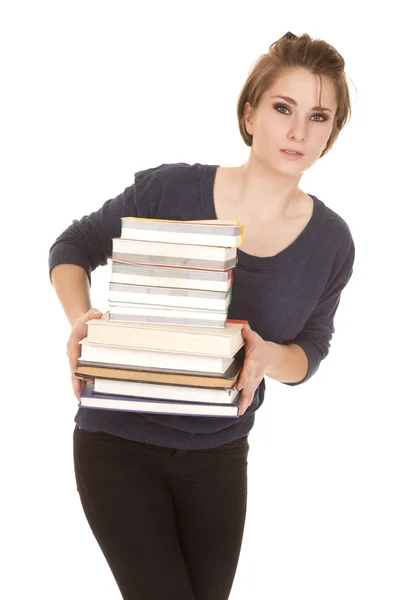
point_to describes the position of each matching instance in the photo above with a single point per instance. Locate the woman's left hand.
(256, 363)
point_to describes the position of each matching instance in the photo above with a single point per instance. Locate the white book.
(181, 250)
(172, 277)
(165, 315)
(99, 353)
(161, 391)
(203, 233)
(170, 297)
(89, 399)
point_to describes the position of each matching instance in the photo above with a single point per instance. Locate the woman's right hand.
(78, 332)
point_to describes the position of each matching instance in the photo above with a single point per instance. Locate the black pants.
(169, 522)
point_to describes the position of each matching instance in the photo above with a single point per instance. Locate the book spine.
(245, 322)
(178, 268)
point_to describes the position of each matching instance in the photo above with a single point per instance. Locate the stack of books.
(166, 344)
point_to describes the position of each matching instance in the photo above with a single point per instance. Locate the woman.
(165, 495)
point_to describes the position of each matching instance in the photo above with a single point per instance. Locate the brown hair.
(290, 51)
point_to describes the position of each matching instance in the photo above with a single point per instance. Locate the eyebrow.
(291, 101)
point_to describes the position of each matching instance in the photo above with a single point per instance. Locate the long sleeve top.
(291, 297)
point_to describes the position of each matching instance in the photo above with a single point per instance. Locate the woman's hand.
(78, 332)
(256, 363)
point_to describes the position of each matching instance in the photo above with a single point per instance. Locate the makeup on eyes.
(280, 105)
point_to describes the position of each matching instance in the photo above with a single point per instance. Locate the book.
(174, 255)
(122, 357)
(173, 277)
(87, 369)
(165, 315)
(90, 399)
(195, 340)
(215, 232)
(165, 296)
(160, 391)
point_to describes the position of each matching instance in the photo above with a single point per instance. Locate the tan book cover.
(195, 379)
(202, 340)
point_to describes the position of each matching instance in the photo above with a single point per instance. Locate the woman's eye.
(323, 117)
(277, 106)
(320, 120)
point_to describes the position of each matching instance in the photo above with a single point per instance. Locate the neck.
(263, 191)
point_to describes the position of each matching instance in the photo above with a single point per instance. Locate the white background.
(93, 92)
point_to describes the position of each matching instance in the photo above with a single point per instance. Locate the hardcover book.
(195, 340)
(215, 232)
(90, 399)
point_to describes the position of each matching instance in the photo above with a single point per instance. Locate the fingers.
(79, 331)
(242, 376)
(93, 313)
(245, 374)
(248, 388)
(245, 401)
(73, 356)
(74, 352)
(77, 386)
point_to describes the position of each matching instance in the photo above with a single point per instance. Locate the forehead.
(305, 87)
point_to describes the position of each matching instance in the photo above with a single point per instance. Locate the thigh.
(130, 511)
(210, 495)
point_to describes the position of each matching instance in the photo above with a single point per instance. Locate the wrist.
(75, 318)
(273, 352)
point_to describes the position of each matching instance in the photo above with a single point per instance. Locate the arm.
(87, 243)
(71, 284)
(296, 361)
(316, 335)
(82, 247)
(288, 363)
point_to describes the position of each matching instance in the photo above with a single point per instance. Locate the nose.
(298, 133)
(297, 137)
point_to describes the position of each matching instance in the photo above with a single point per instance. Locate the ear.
(248, 112)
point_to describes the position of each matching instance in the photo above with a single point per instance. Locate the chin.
(292, 169)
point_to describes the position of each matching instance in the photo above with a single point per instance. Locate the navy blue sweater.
(291, 297)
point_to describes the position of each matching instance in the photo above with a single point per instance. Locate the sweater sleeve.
(318, 330)
(87, 242)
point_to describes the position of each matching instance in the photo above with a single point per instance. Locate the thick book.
(86, 369)
(215, 232)
(162, 391)
(171, 338)
(173, 277)
(90, 399)
(130, 358)
(165, 315)
(174, 255)
(165, 296)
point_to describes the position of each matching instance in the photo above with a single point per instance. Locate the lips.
(292, 150)
(291, 157)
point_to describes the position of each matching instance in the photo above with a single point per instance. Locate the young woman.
(165, 495)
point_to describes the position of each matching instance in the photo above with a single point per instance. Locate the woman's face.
(279, 123)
